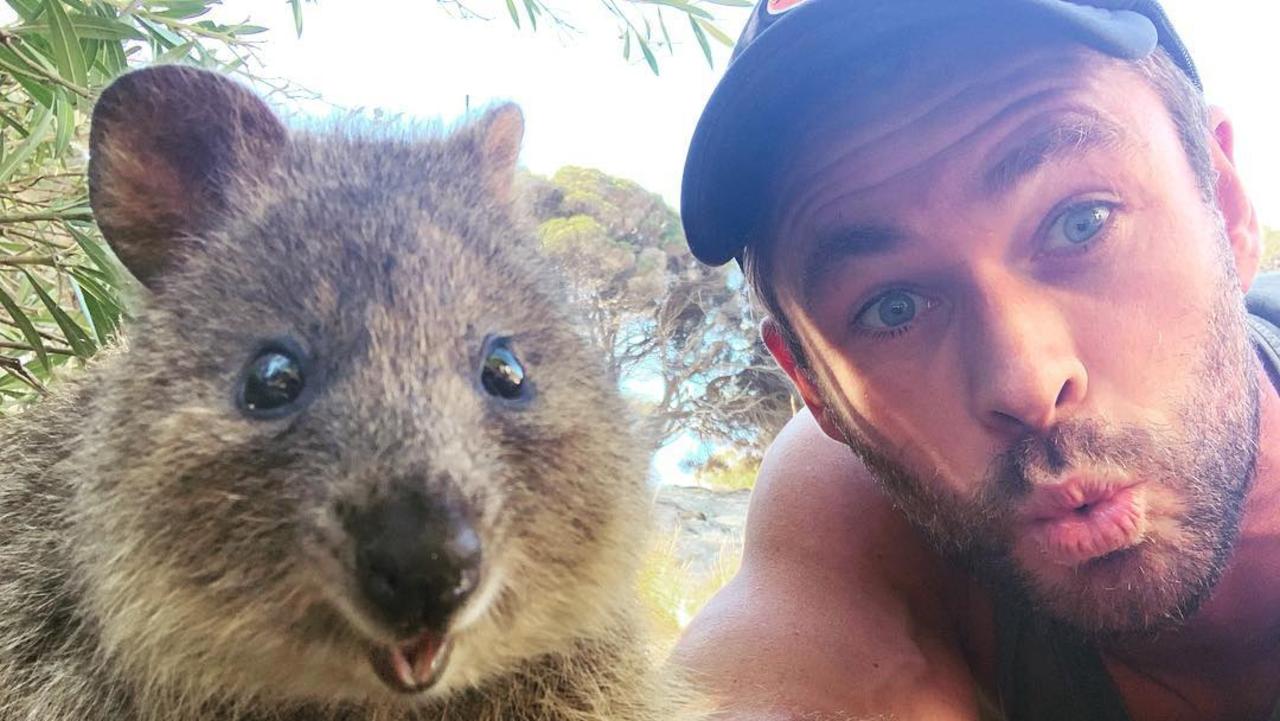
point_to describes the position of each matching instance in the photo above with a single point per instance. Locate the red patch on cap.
(777, 7)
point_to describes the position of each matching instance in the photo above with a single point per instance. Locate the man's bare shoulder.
(836, 607)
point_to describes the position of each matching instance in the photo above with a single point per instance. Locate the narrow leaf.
(97, 253)
(113, 61)
(161, 38)
(666, 36)
(648, 55)
(98, 305)
(65, 112)
(39, 128)
(68, 56)
(24, 324)
(684, 7)
(184, 9)
(296, 5)
(38, 91)
(75, 335)
(21, 374)
(531, 10)
(716, 33)
(702, 41)
(177, 53)
(88, 27)
(515, 15)
(13, 122)
(80, 301)
(28, 10)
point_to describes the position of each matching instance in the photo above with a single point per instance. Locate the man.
(1003, 249)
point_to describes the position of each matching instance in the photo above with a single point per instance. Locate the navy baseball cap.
(790, 46)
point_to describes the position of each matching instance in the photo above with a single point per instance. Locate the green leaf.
(39, 128)
(648, 55)
(97, 253)
(68, 56)
(28, 10)
(13, 122)
(161, 38)
(716, 33)
(515, 14)
(99, 306)
(184, 9)
(88, 27)
(38, 91)
(666, 36)
(113, 61)
(80, 301)
(297, 16)
(22, 70)
(626, 46)
(81, 343)
(21, 374)
(65, 112)
(683, 6)
(177, 53)
(24, 324)
(702, 40)
(531, 9)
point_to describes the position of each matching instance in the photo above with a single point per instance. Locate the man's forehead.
(850, 204)
(1059, 93)
(904, 76)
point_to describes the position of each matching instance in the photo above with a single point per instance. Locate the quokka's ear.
(501, 131)
(165, 143)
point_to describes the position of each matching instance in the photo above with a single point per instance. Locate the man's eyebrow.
(1068, 136)
(832, 248)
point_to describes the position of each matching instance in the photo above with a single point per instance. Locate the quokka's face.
(355, 450)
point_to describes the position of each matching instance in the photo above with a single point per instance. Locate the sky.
(585, 105)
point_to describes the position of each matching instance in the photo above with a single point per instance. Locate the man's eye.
(1079, 225)
(891, 311)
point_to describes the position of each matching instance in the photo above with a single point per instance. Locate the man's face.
(1020, 311)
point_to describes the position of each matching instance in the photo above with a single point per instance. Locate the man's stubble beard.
(1206, 457)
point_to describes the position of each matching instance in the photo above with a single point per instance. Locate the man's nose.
(1024, 368)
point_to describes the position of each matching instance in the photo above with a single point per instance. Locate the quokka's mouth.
(414, 666)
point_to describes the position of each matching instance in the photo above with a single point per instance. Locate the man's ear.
(165, 145)
(772, 334)
(1244, 231)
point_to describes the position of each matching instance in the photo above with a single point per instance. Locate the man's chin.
(1137, 590)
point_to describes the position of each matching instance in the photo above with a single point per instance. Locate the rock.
(706, 524)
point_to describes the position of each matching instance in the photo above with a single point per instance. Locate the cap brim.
(816, 43)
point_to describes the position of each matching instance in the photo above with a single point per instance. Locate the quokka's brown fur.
(164, 556)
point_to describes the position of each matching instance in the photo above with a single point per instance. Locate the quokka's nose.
(417, 560)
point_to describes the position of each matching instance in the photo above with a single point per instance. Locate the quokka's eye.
(502, 375)
(272, 383)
